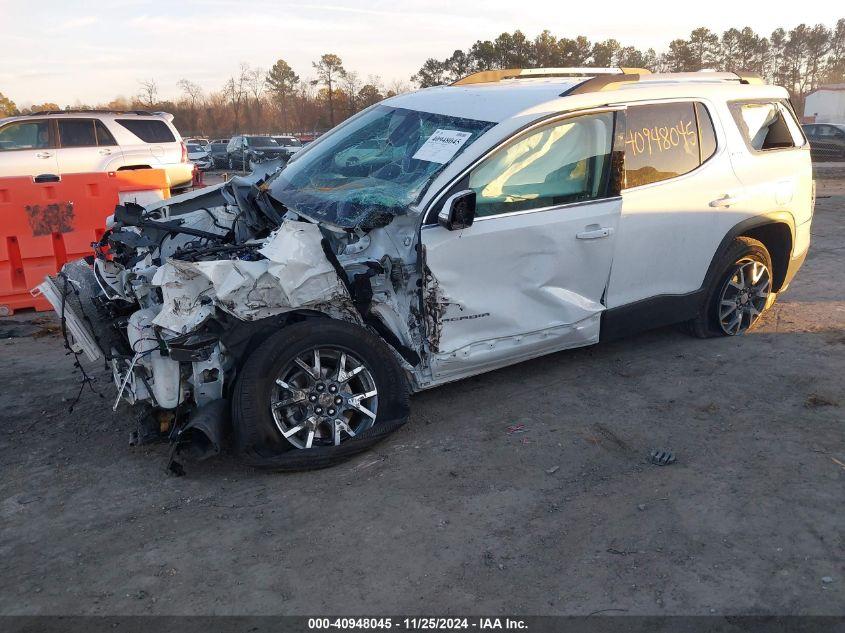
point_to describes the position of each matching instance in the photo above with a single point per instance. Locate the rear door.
(528, 277)
(85, 145)
(27, 148)
(676, 166)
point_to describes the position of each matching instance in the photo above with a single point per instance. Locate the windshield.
(289, 141)
(195, 148)
(375, 166)
(261, 141)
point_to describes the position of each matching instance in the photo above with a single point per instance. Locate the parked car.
(219, 155)
(202, 142)
(200, 156)
(220, 140)
(67, 141)
(827, 140)
(516, 214)
(245, 152)
(289, 143)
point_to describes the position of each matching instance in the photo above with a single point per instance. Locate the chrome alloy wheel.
(744, 296)
(322, 397)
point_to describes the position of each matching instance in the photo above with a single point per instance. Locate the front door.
(27, 149)
(528, 277)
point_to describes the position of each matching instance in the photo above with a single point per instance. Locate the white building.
(826, 104)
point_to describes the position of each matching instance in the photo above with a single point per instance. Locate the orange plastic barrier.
(45, 225)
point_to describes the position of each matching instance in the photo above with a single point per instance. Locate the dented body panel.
(517, 285)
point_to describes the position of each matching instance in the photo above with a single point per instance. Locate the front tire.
(739, 293)
(314, 394)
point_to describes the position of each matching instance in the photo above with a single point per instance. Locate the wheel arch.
(245, 336)
(775, 230)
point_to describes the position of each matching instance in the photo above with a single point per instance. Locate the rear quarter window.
(767, 125)
(104, 137)
(148, 130)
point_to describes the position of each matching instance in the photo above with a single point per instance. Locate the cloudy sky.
(65, 50)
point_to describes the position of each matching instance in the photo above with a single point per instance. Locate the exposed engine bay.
(177, 294)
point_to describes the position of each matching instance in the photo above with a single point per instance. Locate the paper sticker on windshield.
(441, 146)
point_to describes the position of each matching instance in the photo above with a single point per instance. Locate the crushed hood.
(295, 274)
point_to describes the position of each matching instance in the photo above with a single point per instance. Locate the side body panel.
(779, 180)
(518, 285)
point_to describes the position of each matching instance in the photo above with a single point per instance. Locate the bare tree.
(236, 89)
(193, 92)
(256, 81)
(351, 85)
(148, 96)
(397, 87)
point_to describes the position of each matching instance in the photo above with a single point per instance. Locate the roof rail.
(612, 82)
(488, 76)
(749, 78)
(599, 79)
(92, 111)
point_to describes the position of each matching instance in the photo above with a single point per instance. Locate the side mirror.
(458, 212)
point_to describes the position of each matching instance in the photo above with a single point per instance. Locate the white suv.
(63, 142)
(442, 234)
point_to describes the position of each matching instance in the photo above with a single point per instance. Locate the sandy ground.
(454, 513)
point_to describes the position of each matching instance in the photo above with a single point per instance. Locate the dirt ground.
(463, 510)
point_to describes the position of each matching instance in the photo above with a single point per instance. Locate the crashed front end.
(177, 294)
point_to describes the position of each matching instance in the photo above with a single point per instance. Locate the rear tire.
(728, 297)
(258, 427)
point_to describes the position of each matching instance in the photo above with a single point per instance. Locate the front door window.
(563, 162)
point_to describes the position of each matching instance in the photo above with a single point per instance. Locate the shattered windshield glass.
(375, 166)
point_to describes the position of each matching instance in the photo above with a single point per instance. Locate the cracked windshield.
(375, 166)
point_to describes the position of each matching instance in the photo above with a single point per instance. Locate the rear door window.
(148, 130)
(77, 133)
(662, 141)
(767, 125)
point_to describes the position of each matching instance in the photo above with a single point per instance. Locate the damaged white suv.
(438, 235)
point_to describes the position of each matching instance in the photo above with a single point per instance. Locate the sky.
(68, 51)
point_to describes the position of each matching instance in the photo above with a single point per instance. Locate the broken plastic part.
(661, 458)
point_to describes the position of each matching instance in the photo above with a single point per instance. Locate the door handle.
(105, 152)
(44, 154)
(594, 234)
(724, 201)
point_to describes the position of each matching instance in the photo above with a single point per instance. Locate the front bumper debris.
(82, 339)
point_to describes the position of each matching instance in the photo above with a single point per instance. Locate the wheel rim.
(324, 396)
(743, 297)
